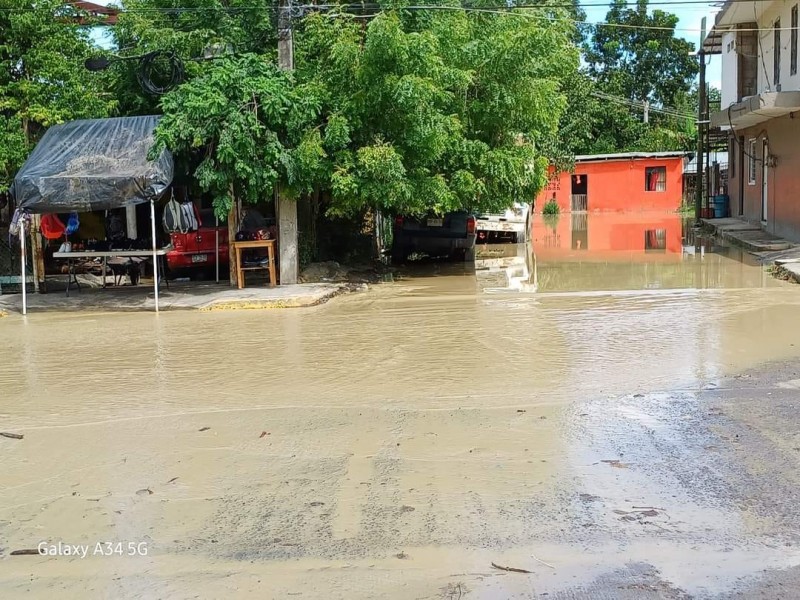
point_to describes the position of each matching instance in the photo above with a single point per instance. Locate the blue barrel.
(720, 204)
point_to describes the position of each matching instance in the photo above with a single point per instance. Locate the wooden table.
(71, 257)
(270, 266)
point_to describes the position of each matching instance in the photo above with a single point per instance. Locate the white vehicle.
(512, 225)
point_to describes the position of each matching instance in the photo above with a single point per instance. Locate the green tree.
(250, 127)
(635, 59)
(42, 78)
(197, 30)
(439, 110)
(411, 111)
(638, 56)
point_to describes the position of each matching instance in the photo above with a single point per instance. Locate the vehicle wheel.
(463, 254)
(399, 255)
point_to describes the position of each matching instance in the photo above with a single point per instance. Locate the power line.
(510, 11)
(640, 105)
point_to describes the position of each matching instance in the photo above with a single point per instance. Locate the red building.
(634, 181)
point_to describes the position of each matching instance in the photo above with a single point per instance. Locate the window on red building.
(655, 179)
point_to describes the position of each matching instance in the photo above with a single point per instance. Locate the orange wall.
(618, 185)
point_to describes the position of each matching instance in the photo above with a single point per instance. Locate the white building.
(761, 109)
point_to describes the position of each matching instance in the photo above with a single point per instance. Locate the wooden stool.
(270, 266)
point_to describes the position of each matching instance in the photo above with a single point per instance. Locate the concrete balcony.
(757, 109)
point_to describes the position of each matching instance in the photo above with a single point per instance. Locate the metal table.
(105, 255)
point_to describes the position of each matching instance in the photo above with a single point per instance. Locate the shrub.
(551, 208)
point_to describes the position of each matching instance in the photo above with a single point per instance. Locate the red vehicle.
(194, 253)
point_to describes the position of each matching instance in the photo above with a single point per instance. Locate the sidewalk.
(179, 296)
(770, 249)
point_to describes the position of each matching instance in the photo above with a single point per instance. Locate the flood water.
(395, 443)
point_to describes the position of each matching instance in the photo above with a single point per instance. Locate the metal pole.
(701, 116)
(155, 256)
(216, 241)
(23, 278)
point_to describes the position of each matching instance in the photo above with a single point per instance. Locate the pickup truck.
(194, 253)
(451, 234)
(512, 225)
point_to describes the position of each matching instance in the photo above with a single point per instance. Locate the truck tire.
(463, 254)
(399, 254)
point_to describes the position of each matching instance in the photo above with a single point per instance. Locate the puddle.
(455, 417)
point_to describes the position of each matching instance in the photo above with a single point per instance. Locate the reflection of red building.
(636, 181)
(608, 236)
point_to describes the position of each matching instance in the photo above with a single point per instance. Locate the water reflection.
(628, 251)
(506, 267)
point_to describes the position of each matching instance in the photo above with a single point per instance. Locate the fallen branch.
(13, 436)
(510, 569)
(26, 552)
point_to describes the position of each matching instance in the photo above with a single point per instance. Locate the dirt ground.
(430, 438)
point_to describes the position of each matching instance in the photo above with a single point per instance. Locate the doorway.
(579, 193)
(764, 180)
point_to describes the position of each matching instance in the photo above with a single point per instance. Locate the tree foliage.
(636, 58)
(198, 29)
(410, 112)
(251, 127)
(42, 78)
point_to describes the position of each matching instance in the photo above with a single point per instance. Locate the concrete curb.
(300, 302)
(781, 255)
(301, 296)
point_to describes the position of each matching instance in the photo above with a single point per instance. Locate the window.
(751, 164)
(776, 56)
(793, 58)
(655, 179)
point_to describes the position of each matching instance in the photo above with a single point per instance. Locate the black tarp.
(97, 164)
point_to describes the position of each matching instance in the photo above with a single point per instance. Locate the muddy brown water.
(541, 410)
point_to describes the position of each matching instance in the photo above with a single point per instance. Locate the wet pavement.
(613, 409)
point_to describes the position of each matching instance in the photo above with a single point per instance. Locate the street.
(621, 424)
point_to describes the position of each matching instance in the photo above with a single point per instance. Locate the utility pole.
(702, 109)
(286, 208)
(646, 111)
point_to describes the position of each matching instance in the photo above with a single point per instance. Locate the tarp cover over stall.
(98, 164)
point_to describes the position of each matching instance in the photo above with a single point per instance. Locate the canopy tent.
(97, 164)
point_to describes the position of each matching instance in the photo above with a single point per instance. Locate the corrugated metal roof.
(630, 156)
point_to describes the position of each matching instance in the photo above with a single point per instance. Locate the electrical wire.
(634, 104)
(148, 67)
(499, 10)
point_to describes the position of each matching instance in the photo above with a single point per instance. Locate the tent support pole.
(23, 278)
(155, 256)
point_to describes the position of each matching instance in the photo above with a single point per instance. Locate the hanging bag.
(20, 224)
(52, 227)
(174, 219)
(73, 223)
